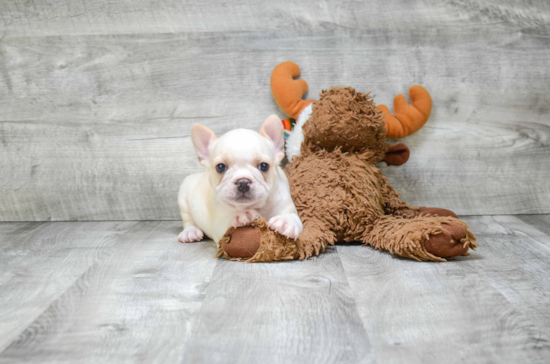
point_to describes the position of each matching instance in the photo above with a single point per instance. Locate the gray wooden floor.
(127, 292)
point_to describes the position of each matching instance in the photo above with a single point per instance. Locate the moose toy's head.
(345, 119)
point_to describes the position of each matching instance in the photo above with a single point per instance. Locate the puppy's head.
(242, 164)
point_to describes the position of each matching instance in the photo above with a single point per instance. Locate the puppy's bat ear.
(202, 138)
(272, 129)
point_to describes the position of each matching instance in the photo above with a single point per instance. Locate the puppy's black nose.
(244, 185)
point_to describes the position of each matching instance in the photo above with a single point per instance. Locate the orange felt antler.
(287, 91)
(407, 119)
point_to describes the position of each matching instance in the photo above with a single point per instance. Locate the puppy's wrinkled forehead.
(243, 145)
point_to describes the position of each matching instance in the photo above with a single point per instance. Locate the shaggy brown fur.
(346, 119)
(337, 188)
(341, 195)
(273, 246)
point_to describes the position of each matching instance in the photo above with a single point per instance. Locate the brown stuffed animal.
(340, 194)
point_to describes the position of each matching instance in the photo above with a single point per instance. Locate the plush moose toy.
(340, 194)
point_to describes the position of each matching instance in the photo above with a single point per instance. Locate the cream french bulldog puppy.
(242, 182)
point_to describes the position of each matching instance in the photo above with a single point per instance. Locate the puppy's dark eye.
(263, 167)
(221, 168)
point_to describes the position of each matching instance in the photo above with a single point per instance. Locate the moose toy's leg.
(422, 237)
(258, 243)
(314, 239)
(393, 205)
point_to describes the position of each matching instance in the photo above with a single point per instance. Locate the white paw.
(190, 234)
(245, 218)
(286, 224)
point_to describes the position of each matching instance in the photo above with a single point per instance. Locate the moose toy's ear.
(397, 155)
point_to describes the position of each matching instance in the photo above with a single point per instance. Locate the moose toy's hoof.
(242, 243)
(448, 244)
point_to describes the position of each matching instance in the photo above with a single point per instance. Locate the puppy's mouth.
(243, 197)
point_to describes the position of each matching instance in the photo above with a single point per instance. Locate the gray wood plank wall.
(96, 99)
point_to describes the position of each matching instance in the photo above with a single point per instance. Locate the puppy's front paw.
(191, 234)
(245, 218)
(288, 225)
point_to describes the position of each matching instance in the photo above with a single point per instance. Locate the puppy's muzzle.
(243, 185)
